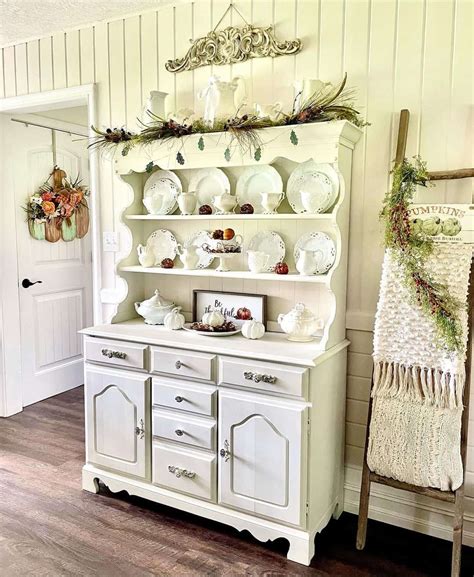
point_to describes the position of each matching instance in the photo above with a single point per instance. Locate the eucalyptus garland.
(412, 247)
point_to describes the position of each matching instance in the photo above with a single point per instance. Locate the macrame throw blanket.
(415, 428)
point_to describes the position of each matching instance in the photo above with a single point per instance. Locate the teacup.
(187, 202)
(271, 111)
(271, 201)
(224, 203)
(257, 260)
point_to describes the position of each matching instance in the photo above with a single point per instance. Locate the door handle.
(26, 283)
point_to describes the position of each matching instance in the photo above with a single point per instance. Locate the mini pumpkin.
(205, 209)
(281, 268)
(167, 263)
(213, 318)
(253, 329)
(246, 208)
(174, 320)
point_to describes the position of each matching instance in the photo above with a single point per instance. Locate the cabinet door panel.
(116, 424)
(263, 444)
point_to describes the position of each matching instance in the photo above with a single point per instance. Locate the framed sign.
(235, 306)
(444, 222)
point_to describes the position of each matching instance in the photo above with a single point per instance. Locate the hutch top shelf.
(320, 141)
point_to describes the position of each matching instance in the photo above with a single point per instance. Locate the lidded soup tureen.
(154, 309)
(300, 323)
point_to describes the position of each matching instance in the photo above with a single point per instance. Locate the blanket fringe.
(418, 384)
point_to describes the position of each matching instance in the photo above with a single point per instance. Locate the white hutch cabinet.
(248, 433)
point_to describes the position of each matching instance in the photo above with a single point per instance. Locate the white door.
(117, 431)
(55, 309)
(261, 442)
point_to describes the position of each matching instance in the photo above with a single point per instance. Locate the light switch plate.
(110, 241)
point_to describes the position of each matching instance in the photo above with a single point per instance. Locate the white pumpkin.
(213, 318)
(253, 329)
(174, 320)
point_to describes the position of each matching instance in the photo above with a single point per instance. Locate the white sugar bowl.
(300, 324)
(154, 309)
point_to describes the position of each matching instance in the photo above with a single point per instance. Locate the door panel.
(117, 427)
(265, 440)
(53, 311)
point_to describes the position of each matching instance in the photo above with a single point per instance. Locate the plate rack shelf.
(331, 143)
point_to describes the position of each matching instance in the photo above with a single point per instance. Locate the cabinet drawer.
(271, 377)
(181, 363)
(183, 428)
(115, 353)
(184, 470)
(174, 394)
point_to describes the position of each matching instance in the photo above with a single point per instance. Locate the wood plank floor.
(50, 527)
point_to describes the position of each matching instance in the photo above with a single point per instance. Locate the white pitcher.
(306, 263)
(220, 98)
(305, 88)
(155, 103)
(146, 256)
(257, 260)
(188, 256)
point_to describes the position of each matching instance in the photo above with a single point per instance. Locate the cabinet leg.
(339, 509)
(301, 549)
(90, 482)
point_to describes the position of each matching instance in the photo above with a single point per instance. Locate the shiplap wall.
(414, 54)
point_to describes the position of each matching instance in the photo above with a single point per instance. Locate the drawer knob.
(179, 472)
(225, 452)
(178, 364)
(113, 354)
(179, 399)
(140, 430)
(258, 377)
(179, 432)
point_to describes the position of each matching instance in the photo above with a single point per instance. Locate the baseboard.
(399, 508)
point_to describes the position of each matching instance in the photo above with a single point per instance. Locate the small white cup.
(271, 201)
(187, 202)
(257, 260)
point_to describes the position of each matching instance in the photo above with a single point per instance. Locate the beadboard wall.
(398, 53)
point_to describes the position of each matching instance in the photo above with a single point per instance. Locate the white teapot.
(188, 256)
(146, 256)
(220, 98)
(154, 309)
(300, 324)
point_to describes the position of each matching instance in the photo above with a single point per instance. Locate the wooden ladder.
(368, 477)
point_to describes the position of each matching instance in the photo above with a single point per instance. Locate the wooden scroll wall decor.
(232, 45)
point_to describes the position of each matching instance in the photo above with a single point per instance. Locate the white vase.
(306, 263)
(220, 98)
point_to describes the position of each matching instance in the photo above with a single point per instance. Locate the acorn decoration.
(205, 209)
(246, 209)
(281, 268)
(218, 234)
(167, 263)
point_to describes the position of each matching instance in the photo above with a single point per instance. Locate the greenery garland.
(412, 247)
(329, 103)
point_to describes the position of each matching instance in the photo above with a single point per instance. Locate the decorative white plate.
(321, 181)
(270, 243)
(162, 188)
(163, 244)
(255, 180)
(207, 183)
(323, 247)
(187, 327)
(198, 239)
